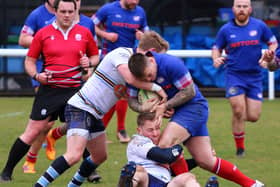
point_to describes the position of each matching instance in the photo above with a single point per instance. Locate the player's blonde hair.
(151, 39)
(145, 116)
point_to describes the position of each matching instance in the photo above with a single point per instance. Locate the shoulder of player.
(138, 140)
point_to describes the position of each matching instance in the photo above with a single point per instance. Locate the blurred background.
(186, 24)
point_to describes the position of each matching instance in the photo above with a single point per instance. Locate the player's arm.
(147, 106)
(185, 94)
(130, 79)
(110, 36)
(25, 39)
(165, 155)
(217, 58)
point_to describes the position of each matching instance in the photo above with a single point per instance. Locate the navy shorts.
(155, 182)
(250, 86)
(82, 123)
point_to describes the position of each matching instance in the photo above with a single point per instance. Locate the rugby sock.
(86, 168)
(239, 139)
(121, 109)
(230, 172)
(179, 166)
(56, 133)
(17, 152)
(191, 163)
(31, 157)
(108, 116)
(58, 167)
(85, 154)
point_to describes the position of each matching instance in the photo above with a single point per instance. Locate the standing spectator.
(188, 110)
(66, 48)
(119, 24)
(86, 108)
(37, 19)
(152, 161)
(242, 39)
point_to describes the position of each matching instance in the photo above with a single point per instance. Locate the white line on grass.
(12, 114)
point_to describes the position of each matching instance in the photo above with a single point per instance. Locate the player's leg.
(179, 134)
(200, 148)
(184, 180)
(31, 157)
(238, 106)
(254, 108)
(128, 172)
(108, 116)
(97, 147)
(21, 146)
(121, 109)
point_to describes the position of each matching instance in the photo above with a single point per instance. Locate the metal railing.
(178, 53)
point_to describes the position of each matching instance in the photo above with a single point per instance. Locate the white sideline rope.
(178, 53)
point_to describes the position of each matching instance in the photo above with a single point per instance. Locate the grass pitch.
(262, 141)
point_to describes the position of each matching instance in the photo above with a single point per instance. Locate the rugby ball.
(144, 95)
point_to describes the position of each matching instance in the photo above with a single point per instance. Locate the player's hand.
(160, 110)
(44, 77)
(84, 61)
(217, 62)
(112, 37)
(138, 34)
(169, 113)
(266, 58)
(163, 96)
(150, 105)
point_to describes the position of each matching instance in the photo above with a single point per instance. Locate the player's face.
(242, 10)
(150, 129)
(150, 72)
(65, 14)
(130, 4)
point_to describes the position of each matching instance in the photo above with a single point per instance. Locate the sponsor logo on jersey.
(136, 18)
(253, 33)
(232, 36)
(78, 37)
(118, 16)
(160, 80)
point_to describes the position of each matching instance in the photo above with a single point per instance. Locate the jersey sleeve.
(267, 36)
(140, 146)
(220, 42)
(30, 26)
(101, 15)
(35, 48)
(179, 74)
(92, 48)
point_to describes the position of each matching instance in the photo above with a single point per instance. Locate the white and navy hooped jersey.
(97, 95)
(137, 151)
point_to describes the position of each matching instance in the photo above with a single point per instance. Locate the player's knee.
(253, 117)
(100, 157)
(73, 158)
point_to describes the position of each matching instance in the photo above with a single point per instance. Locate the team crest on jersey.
(43, 112)
(232, 36)
(52, 37)
(160, 80)
(233, 90)
(253, 33)
(78, 37)
(118, 16)
(136, 18)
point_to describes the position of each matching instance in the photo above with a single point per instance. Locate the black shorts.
(51, 101)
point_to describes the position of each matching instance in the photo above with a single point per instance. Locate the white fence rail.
(178, 53)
